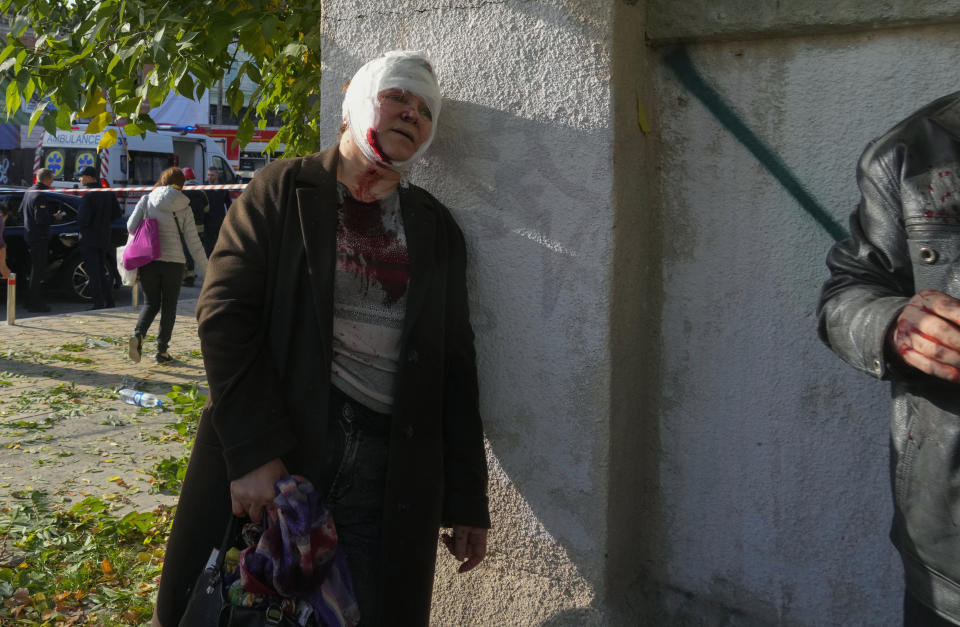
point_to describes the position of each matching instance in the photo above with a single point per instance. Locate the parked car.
(66, 271)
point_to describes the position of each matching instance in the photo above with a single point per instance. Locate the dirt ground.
(64, 430)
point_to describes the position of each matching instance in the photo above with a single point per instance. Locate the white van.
(131, 161)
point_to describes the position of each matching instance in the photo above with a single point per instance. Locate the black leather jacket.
(905, 237)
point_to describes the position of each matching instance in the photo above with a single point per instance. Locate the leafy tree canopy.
(103, 60)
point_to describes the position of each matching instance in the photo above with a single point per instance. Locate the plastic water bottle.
(140, 399)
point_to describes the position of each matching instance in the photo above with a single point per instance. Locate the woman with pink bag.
(161, 278)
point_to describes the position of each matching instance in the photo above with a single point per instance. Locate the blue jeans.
(356, 496)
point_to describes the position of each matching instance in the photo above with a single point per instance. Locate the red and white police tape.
(140, 188)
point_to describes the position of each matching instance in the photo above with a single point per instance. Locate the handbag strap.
(234, 525)
(183, 241)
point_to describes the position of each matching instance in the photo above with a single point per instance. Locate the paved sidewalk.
(63, 430)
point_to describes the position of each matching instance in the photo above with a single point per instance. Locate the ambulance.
(132, 161)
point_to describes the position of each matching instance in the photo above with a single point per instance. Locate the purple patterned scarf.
(297, 556)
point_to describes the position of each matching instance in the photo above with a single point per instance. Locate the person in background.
(97, 212)
(218, 201)
(161, 278)
(37, 217)
(337, 343)
(201, 207)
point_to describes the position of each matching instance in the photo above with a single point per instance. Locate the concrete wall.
(697, 20)
(670, 444)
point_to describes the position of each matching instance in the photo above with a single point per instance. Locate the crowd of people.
(96, 216)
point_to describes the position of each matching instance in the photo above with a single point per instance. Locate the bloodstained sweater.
(369, 298)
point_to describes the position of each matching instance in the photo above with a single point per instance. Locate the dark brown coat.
(266, 319)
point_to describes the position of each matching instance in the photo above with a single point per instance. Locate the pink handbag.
(144, 246)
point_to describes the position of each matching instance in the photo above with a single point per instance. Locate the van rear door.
(189, 153)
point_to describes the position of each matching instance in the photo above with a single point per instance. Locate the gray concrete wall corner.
(635, 536)
(669, 21)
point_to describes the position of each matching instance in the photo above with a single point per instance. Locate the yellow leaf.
(98, 123)
(144, 556)
(106, 566)
(109, 139)
(23, 565)
(114, 479)
(95, 108)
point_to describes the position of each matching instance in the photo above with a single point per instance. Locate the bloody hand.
(927, 334)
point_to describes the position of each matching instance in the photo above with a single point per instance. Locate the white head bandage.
(398, 69)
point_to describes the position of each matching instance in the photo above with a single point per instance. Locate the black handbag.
(208, 607)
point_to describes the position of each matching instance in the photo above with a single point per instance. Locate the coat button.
(928, 255)
(408, 431)
(412, 356)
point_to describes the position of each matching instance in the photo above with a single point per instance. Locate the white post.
(12, 299)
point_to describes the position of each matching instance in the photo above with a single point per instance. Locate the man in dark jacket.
(37, 218)
(890, 309)
(97, 211)
(200, 206)
(218, 202)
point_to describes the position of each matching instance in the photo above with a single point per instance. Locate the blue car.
(66, 272)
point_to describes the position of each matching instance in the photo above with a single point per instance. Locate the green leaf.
(12, 99)
(23, 77)
(113, 63)
(28, 90)
(124, 87)
(244, 131)
(36, 115)
(156, 95)
(268, 25)
(19, 25)
(49, 124)
(294, 50)
(129, 51)
(7, 51)
(185, 86)
(63, 119)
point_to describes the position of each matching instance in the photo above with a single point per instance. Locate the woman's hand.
(468, 545)
(254, 491)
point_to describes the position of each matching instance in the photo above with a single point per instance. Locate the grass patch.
(167, 475)
(79, 564)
